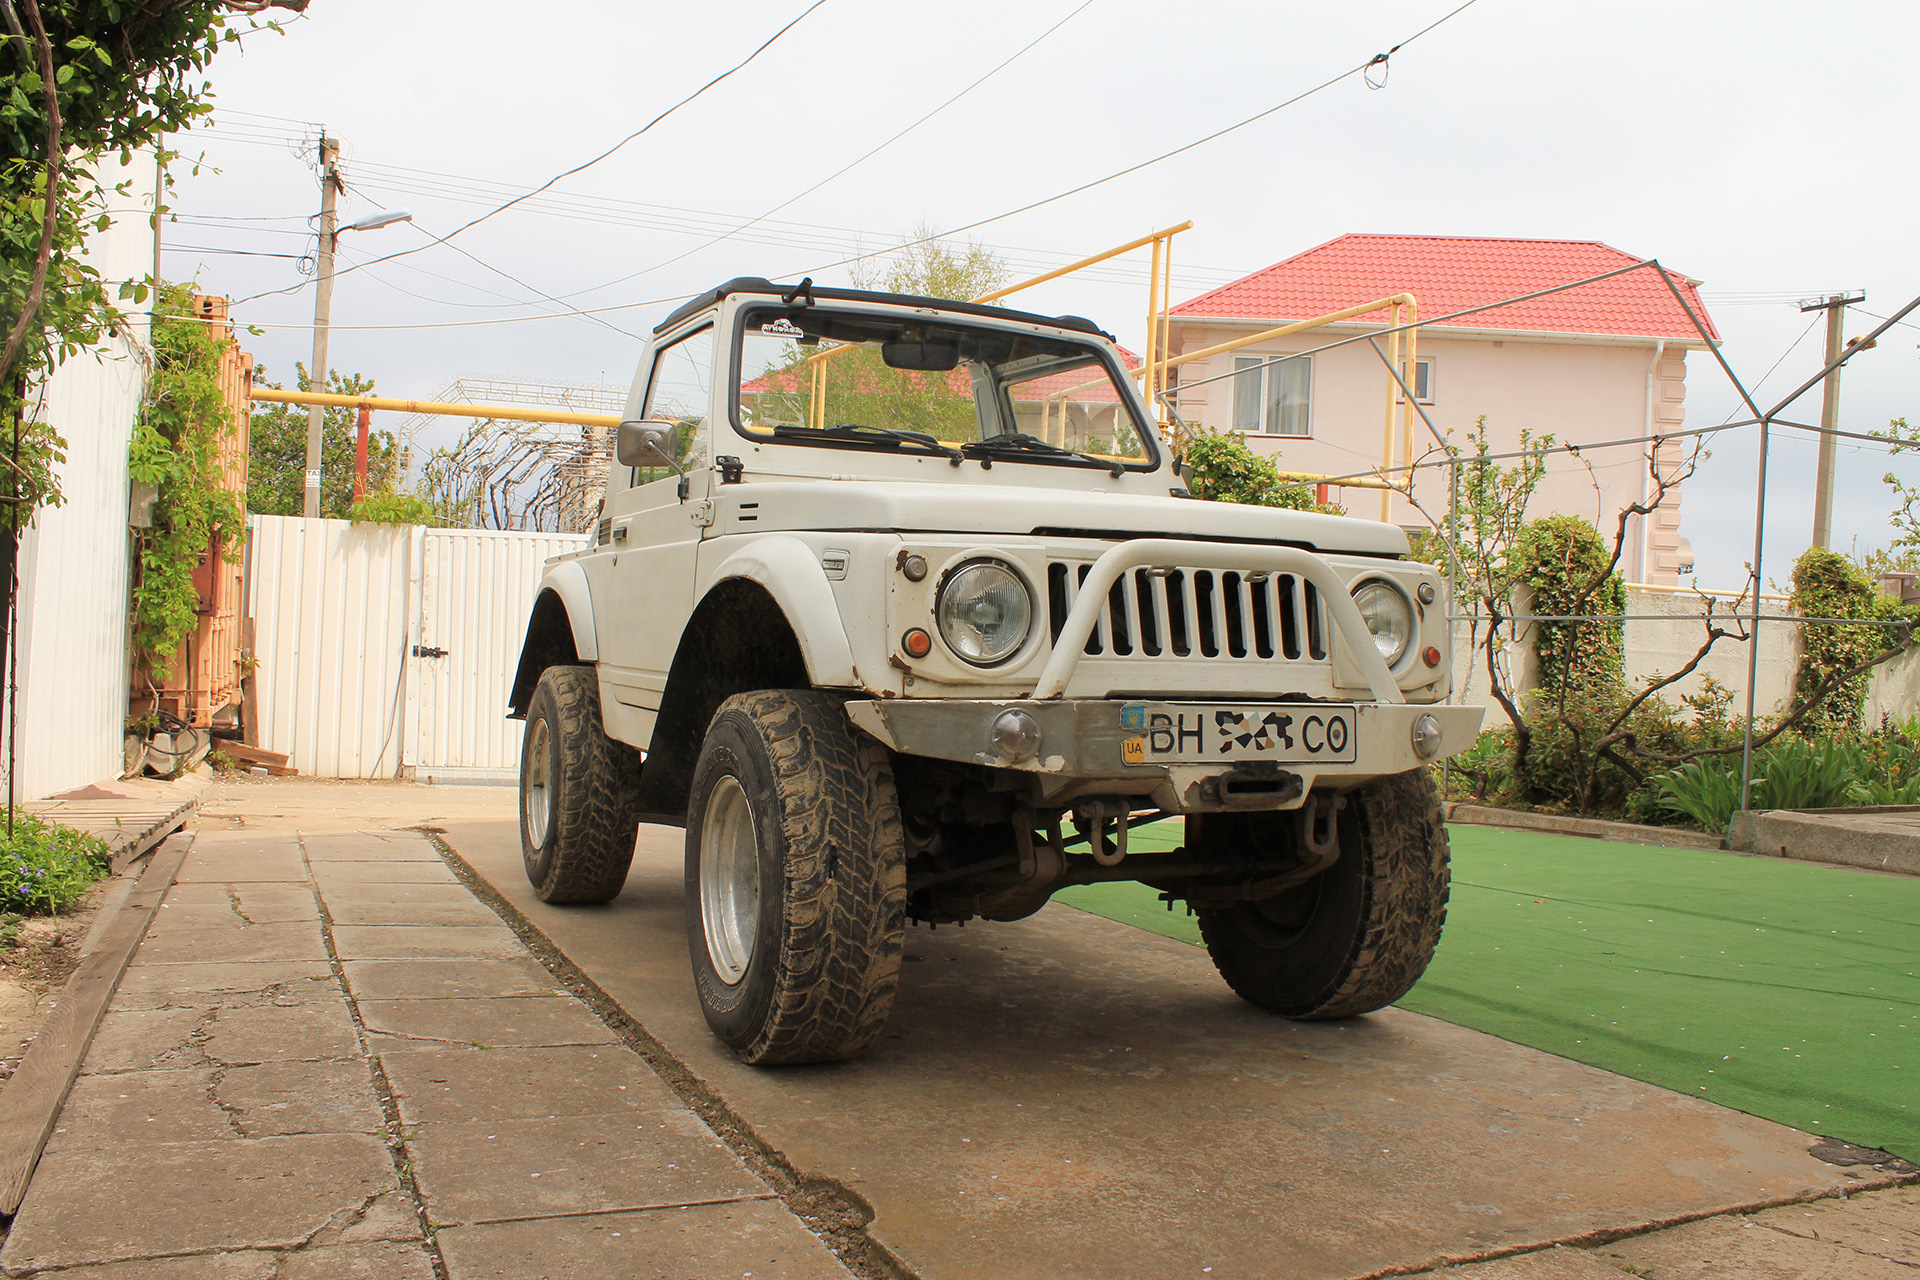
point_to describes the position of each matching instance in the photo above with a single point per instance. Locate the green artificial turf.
(1783, 989)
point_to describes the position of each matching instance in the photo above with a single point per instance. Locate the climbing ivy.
(176, 448)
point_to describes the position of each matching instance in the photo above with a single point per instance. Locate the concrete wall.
(1662, 634)
(74, 558)
(1581, 391)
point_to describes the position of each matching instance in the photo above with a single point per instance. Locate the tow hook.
(1319, 823)
(1092, 817)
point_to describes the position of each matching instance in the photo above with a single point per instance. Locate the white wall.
(74, 558)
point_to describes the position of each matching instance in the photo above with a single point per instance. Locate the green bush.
(1226, 470)
(45, 867)
(1829, 585)
(1563, 561)
(1706, 790)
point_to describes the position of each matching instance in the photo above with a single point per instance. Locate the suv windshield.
(855, 379)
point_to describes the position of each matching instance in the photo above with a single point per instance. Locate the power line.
(794, 199)
(764, 46)
(1376, 59)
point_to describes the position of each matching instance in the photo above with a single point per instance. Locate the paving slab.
(246, 902)
(452, 1085)
(360, 846)
(426, 941)
(448, 979)
(1548, 1264)
(1744, 1248)
(453, 905)
(296, 940)
(212, 861)
(503, 1169)
(522, 1022)
(270, 1193)
(204, 1104)
(316, 1027)
(146, 984)
(1072, 1097)
(701, 1242)
(329, 874)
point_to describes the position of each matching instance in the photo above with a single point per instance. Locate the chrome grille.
(1196, 613)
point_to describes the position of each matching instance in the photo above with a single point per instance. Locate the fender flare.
(568, 580)
(789, 571)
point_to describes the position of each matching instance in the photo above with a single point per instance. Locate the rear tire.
(796, 883)
(1356, 937)
(579, 793)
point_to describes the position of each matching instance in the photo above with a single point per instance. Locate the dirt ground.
(37, 956)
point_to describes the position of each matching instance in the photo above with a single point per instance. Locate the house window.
(1421, 381)
(1272, 397)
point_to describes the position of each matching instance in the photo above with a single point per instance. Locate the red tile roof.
(1452, 273)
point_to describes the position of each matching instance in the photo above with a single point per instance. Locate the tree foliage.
(277, 471)
(84, 79)
(931, 268)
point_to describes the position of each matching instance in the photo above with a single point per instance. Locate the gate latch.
(428, 651)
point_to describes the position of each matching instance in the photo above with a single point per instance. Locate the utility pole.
(1835, 305)
(322, 303)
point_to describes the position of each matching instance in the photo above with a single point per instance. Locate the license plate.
(1288, 733)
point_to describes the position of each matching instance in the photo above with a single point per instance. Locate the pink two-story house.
(1603, 362)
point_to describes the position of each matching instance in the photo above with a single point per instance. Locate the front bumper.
(1082, 750)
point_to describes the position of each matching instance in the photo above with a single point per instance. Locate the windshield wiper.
(861, 431)
(1012, 442)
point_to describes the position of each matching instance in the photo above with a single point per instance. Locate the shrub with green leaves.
(1226, 470)
(46, 868)
(1829, 585)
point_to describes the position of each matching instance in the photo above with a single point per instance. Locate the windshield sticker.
(783, 328)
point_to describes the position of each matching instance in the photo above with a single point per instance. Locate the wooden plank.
(31, 1101)
(251, 754)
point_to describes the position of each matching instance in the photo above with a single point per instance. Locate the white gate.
(387, 651)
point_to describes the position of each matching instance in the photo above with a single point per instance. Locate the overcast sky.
(1764, 148)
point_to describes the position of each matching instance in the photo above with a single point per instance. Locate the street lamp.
(330, 187)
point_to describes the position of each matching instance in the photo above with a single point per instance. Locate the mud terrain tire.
(796, 925)
(579, 793)
(1356, 937)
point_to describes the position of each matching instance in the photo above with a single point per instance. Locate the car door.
(642, 578)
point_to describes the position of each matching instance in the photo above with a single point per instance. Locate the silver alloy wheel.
(729, 880)
(536, 793)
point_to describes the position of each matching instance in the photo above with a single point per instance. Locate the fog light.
(1015, 735)
(1426, 737)
(917, 643)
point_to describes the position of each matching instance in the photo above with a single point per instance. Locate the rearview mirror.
(930, 355)
(646, 444)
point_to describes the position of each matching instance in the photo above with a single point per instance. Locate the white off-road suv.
(900, 607)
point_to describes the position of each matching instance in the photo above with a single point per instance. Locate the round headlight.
(985, 612)
(1388, 616)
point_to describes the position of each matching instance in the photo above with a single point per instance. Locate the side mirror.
(646, 444)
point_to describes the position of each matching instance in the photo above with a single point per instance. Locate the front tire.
(579, 793)
(1356, 937)
(795, 879)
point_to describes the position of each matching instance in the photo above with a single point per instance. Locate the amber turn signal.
(1432, 655)
(917, 643)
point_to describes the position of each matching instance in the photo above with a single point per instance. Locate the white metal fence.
(387, 651)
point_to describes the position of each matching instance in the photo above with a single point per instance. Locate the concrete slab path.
(1070, 1097)
(329, 1060)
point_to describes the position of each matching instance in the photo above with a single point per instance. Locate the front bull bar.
(1147, 553)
